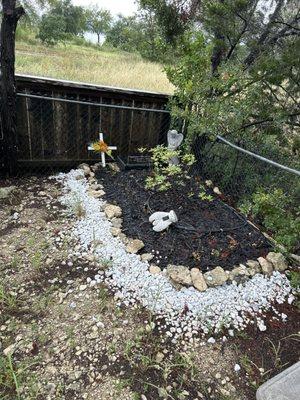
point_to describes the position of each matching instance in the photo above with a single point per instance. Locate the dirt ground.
(62, 339)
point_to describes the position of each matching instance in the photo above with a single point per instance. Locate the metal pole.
(275, 164)
(33, 96)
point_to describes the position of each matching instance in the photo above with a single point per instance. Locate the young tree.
(98, 21)
(52, 29)
(74, 16)
(125, 34)
(10, 17)
(62, 20)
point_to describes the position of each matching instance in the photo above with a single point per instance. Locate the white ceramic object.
(174, 141)
(162, 220)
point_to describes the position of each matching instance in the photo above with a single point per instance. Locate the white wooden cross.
(101, 139)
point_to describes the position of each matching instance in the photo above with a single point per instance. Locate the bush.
(277, 213)
(26, 34)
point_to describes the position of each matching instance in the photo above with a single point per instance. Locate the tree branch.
(264, 36)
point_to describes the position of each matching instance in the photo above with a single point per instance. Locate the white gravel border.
(186, 311)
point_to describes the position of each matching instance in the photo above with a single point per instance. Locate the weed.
(36, 261)
(294, 277)
(79, 210)
(12, 379)
(9, 302)
(104, 299)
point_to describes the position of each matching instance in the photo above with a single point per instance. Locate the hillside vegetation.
(92, 65)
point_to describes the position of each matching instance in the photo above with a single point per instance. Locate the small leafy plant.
(165, 174)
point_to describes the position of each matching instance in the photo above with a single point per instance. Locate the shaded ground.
(209, 233)
(61, 339)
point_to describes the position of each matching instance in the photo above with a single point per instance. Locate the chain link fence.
(266, 191)
(55, 131)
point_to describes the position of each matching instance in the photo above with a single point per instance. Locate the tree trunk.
(98, 35)
(10, 18)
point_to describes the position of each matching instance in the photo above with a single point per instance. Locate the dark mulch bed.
(222, 236)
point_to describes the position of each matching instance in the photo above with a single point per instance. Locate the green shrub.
(277, 213)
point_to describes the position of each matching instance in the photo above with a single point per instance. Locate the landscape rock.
(296, 259)
(114, 167)
(85, 168)
(216, 277)
(7, 192)
(115, 231)
(217, 191)
(9, 350)
(278, 261)
(147, 257)
(198, 280)
(266, 266)
(96, 166)
(159, 357)
(154, 269)
(179, 274)
(134, 246)
(117, 222)
(253, 267)
(112, 211)
(239, 274)
(96, 193)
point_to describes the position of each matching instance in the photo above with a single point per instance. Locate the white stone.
(211, 340)
(114, 167)
(96, 193)
(85, 168)
(237, 367)
(217, 191)
(9, 350)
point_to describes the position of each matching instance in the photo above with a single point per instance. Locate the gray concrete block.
(284, 386)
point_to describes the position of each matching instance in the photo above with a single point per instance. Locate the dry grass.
(77, 63)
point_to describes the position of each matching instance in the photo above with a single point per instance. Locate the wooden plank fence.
(57, 119)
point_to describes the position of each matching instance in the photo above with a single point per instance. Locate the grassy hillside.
(92, 65)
